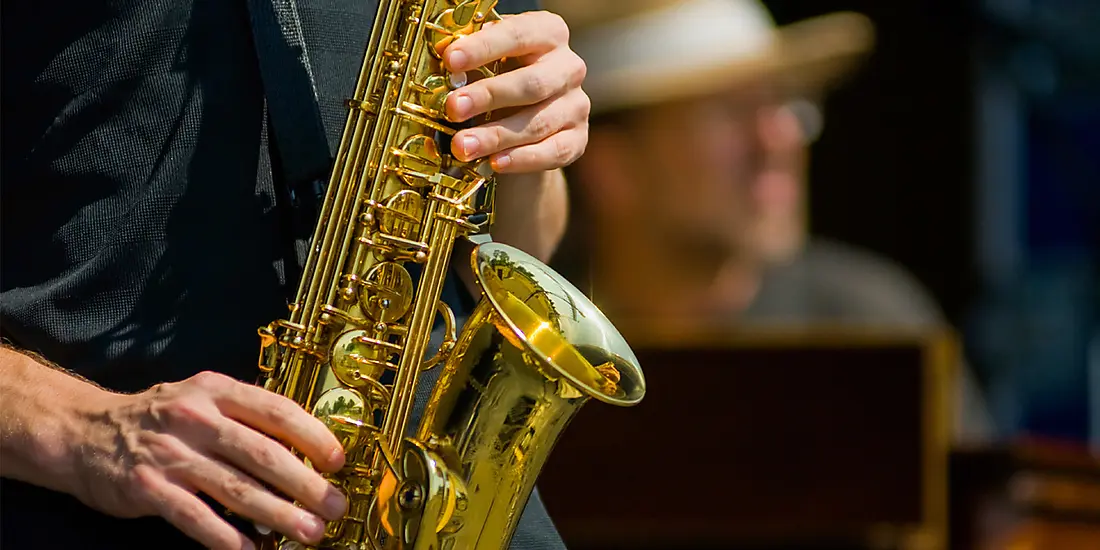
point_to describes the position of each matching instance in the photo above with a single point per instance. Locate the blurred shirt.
(834, 283)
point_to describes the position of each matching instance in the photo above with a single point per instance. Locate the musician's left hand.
(549, 128)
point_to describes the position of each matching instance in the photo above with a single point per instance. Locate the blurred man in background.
(692, 193)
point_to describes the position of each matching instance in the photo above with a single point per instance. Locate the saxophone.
(356, 341)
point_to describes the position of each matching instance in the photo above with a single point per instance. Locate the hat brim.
(811, 56)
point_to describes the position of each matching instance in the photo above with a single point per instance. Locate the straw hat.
(642, 52)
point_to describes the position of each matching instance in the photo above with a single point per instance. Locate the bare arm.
(532, 212)
(38, 404)
(132, 455)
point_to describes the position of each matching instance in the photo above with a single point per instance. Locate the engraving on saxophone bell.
(359, 332)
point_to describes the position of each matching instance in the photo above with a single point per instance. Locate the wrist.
(44, 420)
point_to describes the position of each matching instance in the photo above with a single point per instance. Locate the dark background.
(968, 150)
(893, 169)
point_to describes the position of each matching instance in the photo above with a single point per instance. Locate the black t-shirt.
(145, 234)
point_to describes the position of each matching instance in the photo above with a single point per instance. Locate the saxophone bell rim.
(603, 340)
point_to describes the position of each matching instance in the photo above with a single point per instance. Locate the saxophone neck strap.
(294, 116)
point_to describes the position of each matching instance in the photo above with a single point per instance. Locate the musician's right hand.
(149, 453)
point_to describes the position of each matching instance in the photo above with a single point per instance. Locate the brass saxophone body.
(357, 339)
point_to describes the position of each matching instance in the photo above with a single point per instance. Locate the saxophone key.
(343, 411)
(385, 293)
(358, 359)
(402, 214)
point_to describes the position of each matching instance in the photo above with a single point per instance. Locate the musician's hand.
(550, 128)
(149, 453)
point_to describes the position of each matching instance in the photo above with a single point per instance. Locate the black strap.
(301, 157)
(298, 131)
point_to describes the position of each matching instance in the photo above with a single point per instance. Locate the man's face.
(726, 171)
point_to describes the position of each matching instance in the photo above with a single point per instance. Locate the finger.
(281, 418)
(560, 149)
(514, 36)
(267, 460)
(531, 125)
(192, 516)
(243, 495)
(524, 86)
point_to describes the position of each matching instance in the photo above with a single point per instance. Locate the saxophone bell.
(534, 351)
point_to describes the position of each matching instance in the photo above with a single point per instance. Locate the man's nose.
(788, 126)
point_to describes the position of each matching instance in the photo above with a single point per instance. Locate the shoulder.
(858, 285)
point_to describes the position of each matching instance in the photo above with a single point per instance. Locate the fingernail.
(469, 147)
(458, 60)
(334, 504)
(463, 105)
(502, 162)
(311, 526)
(337, 457)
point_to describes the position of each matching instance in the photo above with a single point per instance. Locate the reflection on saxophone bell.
(356, 342)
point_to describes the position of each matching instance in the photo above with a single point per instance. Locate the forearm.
(37, 407)
(531, 212)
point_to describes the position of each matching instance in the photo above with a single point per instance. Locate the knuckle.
(290, 418)
(484, 49)
(559, 28)
(579, 72)
(283, 411)
(159, 391)
(483, 97)
(182, 412)
(552, 22)
(540, 126)
(518, 35)
(493, 139)
(537, 85)
(212, 381)
(236, 489)
(563, 152)
(189, 513)
(266, 456)
(584, 107)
